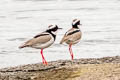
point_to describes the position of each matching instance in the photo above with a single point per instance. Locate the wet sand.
(107, 68)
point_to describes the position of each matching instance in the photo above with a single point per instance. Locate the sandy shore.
(107, 68)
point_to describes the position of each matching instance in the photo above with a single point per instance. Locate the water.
(20, 20)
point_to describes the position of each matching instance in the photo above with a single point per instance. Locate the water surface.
(20, 20)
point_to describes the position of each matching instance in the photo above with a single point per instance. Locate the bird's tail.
(22, 46)
(26, 44)
(61, 41)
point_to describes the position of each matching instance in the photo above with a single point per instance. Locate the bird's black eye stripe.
(78, 23)
(73, 32)
(40, 35)
(54, 29)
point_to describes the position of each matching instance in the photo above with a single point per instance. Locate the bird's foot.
(45, 62)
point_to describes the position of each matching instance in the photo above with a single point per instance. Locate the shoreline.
(78, 69)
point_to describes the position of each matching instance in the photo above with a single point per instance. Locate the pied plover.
(42, 40)
(72, 36)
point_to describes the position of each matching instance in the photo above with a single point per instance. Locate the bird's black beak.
(59, 28)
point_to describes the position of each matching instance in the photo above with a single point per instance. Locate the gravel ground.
(107, 68)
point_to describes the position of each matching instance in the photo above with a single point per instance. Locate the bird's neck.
(76, 26)
(53, 34)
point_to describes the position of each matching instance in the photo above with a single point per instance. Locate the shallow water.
(20, 20)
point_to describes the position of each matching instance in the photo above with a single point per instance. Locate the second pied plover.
(72, 36)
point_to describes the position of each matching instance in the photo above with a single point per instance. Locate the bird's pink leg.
(42, 56)
(70, 49)
(43, 59)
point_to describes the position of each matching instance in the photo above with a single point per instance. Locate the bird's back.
(37, 40)
(72, 36)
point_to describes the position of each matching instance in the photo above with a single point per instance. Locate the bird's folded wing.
(39, 39)
(72, 37)
(75, 36)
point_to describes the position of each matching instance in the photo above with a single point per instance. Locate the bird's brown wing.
(65, 37)
(41, 38)
(72, 36)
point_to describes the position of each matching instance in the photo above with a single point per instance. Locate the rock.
(107, 68)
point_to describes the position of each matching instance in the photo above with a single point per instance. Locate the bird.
(42, 40)
(72, 36)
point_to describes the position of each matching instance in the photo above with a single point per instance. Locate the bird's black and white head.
(76, 23)
(53, 29)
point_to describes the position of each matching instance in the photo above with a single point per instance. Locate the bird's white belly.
(43, 45)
